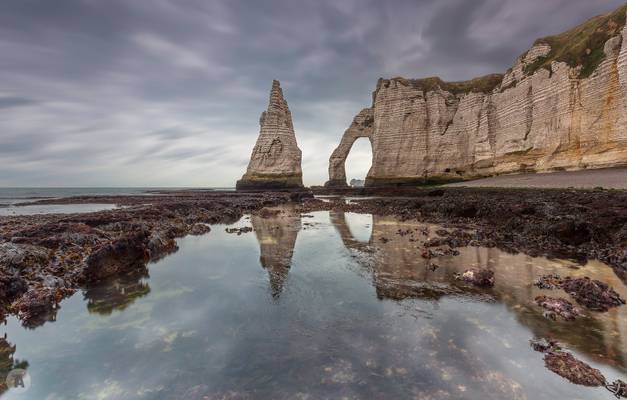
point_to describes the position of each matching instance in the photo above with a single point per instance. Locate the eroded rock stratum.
(276, 159)
(562, 106)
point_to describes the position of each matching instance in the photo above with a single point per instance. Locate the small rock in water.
(618, 388)
(550, 281)
(557, 306)
(239, 231)
(544, 345)
(199, 229)
(595, 295)
(478, 277)
(578, 372)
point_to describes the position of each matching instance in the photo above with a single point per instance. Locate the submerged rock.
(550, 281)
(239, 231)
(593, 294)
(567, 366)
(618, 388)
(477, 276)
(557, 306)
(544, 345)
(199, 229)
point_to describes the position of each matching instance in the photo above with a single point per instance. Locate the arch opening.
(358, 162)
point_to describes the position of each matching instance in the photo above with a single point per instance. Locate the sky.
(169, 92)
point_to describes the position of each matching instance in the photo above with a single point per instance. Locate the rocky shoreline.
(572, 224)
(45, 258)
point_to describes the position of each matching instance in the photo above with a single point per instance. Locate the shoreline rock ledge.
(275, 163)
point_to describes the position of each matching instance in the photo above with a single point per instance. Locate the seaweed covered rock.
(477, 276)
(124, 254)
(593, 294)
(39, 305)
(550, 281)
(21, 256)
(558, 307)
(567, 366)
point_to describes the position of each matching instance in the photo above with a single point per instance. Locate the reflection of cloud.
(15, 101)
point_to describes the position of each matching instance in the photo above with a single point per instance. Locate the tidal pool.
(324, 305)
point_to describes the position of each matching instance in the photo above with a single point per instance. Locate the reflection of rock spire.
(275, 162)
(276, 233)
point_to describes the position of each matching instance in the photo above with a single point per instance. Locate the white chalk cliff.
(562, 106)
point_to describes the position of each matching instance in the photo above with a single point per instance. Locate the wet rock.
(477, 276)
(621, 234)
(544, 345)
(558, 307)
(567, 366)
(38, 305)
(121, 256)
(239, 231)
(571, 232)
(550, 281)
(593, 294)
(21, 256)
(11, 286)
(199, 229)
(465, 211)
(160, 245)
(618, 388)
(436, 193)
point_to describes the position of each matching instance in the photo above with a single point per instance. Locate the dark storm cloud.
(14, 101)
(166, 92)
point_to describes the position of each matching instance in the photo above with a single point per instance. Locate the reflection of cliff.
(399, 272)
(7, 363)
(116, 293)
(276, 233)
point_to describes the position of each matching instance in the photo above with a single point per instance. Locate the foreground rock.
(276, 159)
(561, 106)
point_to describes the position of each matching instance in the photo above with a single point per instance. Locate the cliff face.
(275, 162)
(562, 106)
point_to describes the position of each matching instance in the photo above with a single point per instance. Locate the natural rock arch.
(362, 126)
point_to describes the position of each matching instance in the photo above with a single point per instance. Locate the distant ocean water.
(11, 196)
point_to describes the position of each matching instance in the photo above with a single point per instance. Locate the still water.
(319, 306)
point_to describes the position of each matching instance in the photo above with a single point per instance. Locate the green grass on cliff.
(582, 45)
(482, 84)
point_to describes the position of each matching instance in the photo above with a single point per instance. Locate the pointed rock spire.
(276, 159)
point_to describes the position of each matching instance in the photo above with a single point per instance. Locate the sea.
(13, 200)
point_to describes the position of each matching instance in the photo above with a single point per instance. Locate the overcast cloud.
(169, 92)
